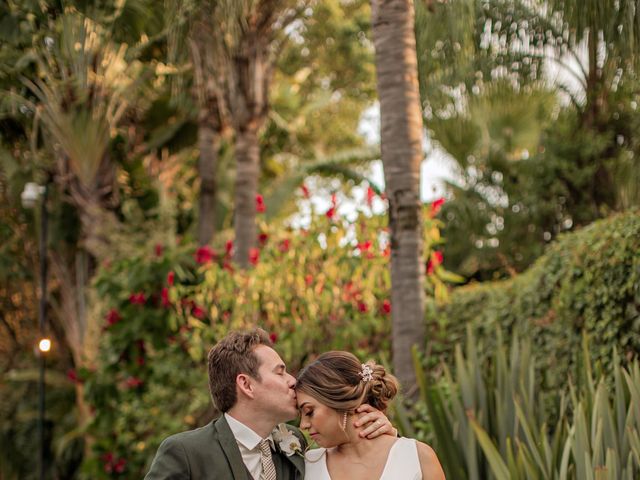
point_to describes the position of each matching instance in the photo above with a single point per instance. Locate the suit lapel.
(281, 460)
(231, 450)
(278, 462)
(298, 462)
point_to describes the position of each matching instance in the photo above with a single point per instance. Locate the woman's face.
(323, 423)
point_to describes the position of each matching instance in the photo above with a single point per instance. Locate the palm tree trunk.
(208, 140)
(401, 145)
(248, 170)
(81, 330)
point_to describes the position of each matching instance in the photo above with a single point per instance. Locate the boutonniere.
(287, 441)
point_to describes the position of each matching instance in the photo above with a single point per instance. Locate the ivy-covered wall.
(587, 281)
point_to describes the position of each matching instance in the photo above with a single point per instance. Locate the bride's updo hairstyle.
(338, 380)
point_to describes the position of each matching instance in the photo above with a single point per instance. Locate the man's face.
(274, 393)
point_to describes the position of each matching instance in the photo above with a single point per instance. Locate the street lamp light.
(44, 345)
(30, 196)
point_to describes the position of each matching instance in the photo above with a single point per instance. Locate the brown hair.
(231, 356)
(335, 380)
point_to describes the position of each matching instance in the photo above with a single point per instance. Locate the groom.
(249, 383)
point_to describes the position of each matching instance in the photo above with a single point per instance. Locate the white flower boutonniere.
(286, 441)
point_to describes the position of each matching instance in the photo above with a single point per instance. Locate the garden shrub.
(587, 282)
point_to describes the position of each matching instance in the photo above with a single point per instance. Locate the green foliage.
(492, 421)
(19, 417)
(587, 281)
(530, 164)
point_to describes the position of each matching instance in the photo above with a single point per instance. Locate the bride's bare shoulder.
(429, 463)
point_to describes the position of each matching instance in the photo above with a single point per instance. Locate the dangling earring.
(344, 421)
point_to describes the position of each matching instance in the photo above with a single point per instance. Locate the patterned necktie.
(268, 468)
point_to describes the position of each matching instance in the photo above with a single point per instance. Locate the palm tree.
(245, 44)
(610, 34)
(401, 145)
(191, 30)
(211, 122)
(83, 90)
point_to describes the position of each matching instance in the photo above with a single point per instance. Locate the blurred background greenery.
(532, 267)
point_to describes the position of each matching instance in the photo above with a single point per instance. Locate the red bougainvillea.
(436, 206)
(204, 254)
(260, 206)
(436, 259)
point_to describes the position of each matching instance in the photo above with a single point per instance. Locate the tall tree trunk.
(209, 142)
(401, 145)
(82, 331)
(210, 121)
(248, 170)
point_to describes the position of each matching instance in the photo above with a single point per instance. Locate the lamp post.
(30, 195)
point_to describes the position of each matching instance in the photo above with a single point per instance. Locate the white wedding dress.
(402, 463)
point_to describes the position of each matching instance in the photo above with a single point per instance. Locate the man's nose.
(292, 381)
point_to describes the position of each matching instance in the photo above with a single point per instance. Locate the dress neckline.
(384, 469)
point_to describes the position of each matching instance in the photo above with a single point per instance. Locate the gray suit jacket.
(211, 453)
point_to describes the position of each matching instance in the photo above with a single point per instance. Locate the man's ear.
(244, 385)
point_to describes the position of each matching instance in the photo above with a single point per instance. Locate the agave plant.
(493, 420)
(84, 87)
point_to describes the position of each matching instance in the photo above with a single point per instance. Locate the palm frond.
(339, 165)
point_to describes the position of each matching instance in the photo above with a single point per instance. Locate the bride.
(328, 392)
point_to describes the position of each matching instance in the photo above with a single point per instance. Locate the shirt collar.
(244, 435)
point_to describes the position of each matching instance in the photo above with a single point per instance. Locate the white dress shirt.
(248, 441)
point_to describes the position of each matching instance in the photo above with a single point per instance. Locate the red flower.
(284, 245)
(386, 306)
(165, 297)
(198, 312)
(254, 256)
(113, 317)
(364, 246)
(137, 298)
(436, 205)
(435, 260)
(331, 213)
(158, 249)
(171, 278)
(370, 196)
(362, 307)
(305, 190)
(229, 247)
(262, 238)
(205, 254)
(73, 376)
(133, 382)
(107, 457)
(273, 337)
(260, 206)
(119, 466)
(308, 279)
